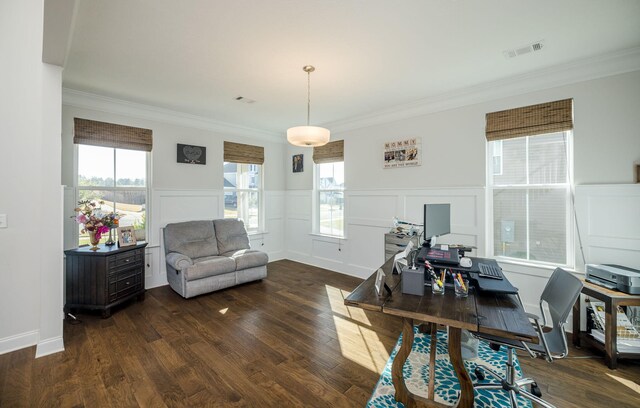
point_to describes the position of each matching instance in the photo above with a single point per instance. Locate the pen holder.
(437, 286)
(461, 287)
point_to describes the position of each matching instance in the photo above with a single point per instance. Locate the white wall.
(606, 147)
(31, 246)
(180, 192)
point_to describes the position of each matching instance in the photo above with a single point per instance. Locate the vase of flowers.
(94, 221)
(111, 220)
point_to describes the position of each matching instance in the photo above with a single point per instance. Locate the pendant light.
(308, 136)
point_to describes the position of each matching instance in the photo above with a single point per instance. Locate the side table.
(612, 299)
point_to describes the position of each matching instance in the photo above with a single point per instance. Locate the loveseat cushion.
(231, 235)
(195, 239)
(248, 258)
(209, 266)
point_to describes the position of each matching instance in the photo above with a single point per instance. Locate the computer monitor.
(437, 222)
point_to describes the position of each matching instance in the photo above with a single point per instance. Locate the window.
(531, 198)
(119, 178)
(330, 198)
(112, 167)
(243, 193)
(329, 189)
(529, 182)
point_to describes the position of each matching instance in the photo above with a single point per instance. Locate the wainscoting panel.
(298, 240)
(370, 215)
(187, 205)
(369, 206)
(183, 205)
(609, 223)
(298, 204)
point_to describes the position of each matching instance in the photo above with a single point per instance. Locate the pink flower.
(81, 219)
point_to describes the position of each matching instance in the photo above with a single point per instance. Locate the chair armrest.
(532, 316)
(178, 261)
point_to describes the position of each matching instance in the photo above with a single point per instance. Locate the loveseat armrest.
(178, 261)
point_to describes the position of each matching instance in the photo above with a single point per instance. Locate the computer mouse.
(465, 262)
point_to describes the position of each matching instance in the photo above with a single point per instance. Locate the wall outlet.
(3, 221)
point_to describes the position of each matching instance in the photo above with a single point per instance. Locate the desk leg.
(576, 323)
(402, 393)
(611, 337)
(408, 399)
(455, 354)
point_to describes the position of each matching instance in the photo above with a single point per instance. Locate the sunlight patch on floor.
(635, 387)
(336, 299)
(358, 342)
(361, 345)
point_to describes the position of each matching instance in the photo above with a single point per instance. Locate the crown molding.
(601, 66)
(86, 100)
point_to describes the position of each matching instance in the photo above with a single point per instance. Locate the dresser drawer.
(397, 239)
(394, 247)
(125, 285)
(124, 273)
(126, 259)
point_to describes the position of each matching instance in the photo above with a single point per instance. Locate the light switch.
(3, 220)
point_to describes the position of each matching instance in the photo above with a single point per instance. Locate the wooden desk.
(612, 299)
(499, 315)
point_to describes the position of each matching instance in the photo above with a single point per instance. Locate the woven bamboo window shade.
(243, 153)
(91, 132)
(531, 120)
(329, 153)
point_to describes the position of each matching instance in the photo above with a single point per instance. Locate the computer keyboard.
(489, 271)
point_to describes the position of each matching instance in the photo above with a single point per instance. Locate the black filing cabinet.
(99, 280)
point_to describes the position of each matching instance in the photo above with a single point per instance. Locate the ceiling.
(197, 56)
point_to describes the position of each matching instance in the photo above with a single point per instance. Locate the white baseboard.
(19, 341)
(49, 346)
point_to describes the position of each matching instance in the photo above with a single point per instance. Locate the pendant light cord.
(308, 96)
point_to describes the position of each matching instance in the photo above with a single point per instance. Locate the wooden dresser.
(99, 280)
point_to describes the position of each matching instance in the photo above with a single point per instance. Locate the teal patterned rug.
(447, 389)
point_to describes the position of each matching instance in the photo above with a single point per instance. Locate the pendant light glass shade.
(308, 136)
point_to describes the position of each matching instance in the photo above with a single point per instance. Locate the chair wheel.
(479, 373)
(535, 390)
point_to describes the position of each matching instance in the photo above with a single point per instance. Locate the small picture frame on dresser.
(126, 236)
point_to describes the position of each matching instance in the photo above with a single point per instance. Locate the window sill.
(254, 233)
(316, 234)
(526, 267)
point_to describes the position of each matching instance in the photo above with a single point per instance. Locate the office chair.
(560, 293)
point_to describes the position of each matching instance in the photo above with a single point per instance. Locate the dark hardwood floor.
(285, 341)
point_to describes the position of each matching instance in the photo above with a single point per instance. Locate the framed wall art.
(192, 154)
(298, 163)
(403, 153)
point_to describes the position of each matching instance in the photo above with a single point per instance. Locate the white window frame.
(238, 191)
(569, 208)
(497, 152)
(146, 188)
(316, 202)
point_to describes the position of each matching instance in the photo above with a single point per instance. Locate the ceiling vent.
(525, 49)
(244, 100)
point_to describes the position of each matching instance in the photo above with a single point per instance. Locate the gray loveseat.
(204, 256)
